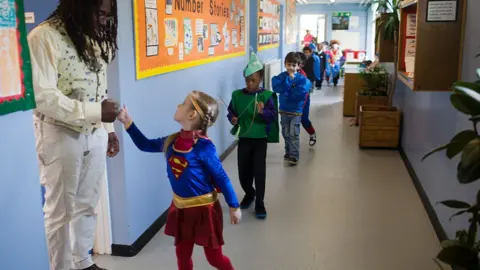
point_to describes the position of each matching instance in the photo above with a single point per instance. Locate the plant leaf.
(435, 260)
(457, 214)
(458, 143)
(466, 175)
(472, 231)
(478, 69)
(450, 243)
(455, 204)
(478, 197)
(474, 96)
(465, 103)
(459, 256)
(438, 149)
(469, 85)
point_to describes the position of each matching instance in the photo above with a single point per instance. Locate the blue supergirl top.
(193, 173)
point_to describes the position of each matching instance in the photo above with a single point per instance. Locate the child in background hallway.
(195, 215)
(293, 88)
(322, 55)
(311, 66)
(254, 112)
(306, 123)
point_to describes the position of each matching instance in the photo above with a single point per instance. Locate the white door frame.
(103, 235)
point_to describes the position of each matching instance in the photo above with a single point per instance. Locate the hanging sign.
(442, 10)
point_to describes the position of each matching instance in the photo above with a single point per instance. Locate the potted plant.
(380, 125)
(463, 251)
(374, 90)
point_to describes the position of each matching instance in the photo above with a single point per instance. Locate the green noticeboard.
(16, 89)
(341, 14)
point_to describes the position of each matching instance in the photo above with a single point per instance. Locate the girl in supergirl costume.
(195, 215)
(306, 123)
(254, 113)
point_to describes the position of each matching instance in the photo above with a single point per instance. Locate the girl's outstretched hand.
(235, 215)
(124, 117)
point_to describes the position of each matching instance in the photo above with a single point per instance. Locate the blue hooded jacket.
(292, 92)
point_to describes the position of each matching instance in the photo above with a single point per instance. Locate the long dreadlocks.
(81, 19)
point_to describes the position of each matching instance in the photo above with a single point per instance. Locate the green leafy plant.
(376, 81)
(463, 251)
(390, 30)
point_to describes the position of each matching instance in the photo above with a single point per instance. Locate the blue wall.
(328, 9)
(21, 231)
(430, 121)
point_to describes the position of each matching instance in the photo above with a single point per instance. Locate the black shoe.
(313, 139)
(286, 157)
(94, 267)
(246, 202)
(293, 161)
(260, 213)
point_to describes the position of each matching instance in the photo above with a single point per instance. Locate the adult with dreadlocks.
(73, 122)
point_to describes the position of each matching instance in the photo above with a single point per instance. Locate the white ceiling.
(336, 1)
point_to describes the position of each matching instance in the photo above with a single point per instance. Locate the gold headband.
(197, 108)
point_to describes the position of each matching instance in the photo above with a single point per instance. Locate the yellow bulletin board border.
(143, 74)
(266, 47)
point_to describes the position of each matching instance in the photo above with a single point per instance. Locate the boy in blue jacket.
(312, 64)
(292, 88)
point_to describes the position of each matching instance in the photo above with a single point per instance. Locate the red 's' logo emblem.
(178, 165)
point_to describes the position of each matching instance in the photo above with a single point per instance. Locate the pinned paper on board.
(29, 17)
(171, 32)
(188, 35)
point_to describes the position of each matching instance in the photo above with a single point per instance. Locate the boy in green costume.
(254, 113)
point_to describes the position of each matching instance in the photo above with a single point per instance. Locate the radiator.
(271, 68)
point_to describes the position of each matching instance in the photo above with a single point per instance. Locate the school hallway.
(340, 208)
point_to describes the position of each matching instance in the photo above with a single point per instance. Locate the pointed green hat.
(253, 65)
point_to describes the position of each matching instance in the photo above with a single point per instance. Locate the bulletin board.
(172, 35)
(16, 90)
(268, 24)
(291, 22)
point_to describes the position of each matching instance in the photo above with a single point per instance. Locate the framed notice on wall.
(172, 35)
(16, 90)
(442, 10)
(291, 22)
(268, 24)
(341, 20)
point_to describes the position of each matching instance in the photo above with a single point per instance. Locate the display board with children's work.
(291, 22)
(268, 24)
(16, 90)
(172, 35)
(430, 43)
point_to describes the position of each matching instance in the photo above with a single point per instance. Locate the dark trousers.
(318, 83)
(252, 154)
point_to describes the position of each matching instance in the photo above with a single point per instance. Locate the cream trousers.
(72, 166)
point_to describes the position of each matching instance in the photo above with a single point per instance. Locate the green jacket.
(250, 123)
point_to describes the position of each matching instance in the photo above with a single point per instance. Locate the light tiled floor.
(341, 208)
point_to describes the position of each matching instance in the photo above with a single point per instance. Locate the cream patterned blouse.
(67, 92)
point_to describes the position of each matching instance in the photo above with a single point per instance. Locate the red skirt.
(202, 224)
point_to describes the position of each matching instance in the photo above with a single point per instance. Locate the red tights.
(215, 257)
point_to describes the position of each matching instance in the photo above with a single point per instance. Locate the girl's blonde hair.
(208, 109)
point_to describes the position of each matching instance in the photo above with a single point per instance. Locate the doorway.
(316, 23)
